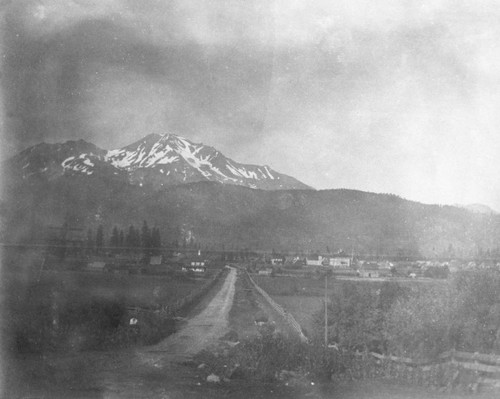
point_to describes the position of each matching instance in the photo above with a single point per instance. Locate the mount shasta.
(154, 160)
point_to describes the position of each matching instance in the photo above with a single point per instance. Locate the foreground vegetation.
(70, 311)
(285, 361)
(413, 321)
(464, 315)
(406, 319)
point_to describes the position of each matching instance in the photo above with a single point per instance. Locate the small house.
(194, 269)
(314, 260)
(277, 260)
(155, 260)
(196, 262)
(340, 261)
(97, 266)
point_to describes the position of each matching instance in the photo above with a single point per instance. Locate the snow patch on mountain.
(80, 164)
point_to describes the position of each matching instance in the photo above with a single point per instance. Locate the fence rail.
(474, 357)
(287, 316)
(472, 363)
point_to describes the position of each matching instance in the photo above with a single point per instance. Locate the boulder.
(213, 378)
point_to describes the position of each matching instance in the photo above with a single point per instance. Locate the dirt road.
(155, 371)
(198, 333)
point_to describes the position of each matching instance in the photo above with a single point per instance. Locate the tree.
(479, 314)
(121, 239)
(420, 327)
(155, 241)
(132, 240)
(146, 238)
(114, 241)
(354, 318)
(99, 239)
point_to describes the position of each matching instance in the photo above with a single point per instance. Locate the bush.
(268, 356)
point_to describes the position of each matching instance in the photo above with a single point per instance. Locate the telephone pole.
(326, 309)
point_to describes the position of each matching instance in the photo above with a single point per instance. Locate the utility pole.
(326, 309)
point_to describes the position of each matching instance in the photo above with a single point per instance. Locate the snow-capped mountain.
(155, 160)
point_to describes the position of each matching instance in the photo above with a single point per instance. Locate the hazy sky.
(386, 96)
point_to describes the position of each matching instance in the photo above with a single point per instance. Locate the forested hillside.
(215, 216)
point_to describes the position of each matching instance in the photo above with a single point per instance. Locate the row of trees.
(146, 239)
(150, 242)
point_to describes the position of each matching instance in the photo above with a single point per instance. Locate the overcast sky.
(387, 96)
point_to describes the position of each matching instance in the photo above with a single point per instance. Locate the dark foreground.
(170, 369)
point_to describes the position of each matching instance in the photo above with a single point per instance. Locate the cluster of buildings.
(339, 260)
(343, 264)
(185, 263)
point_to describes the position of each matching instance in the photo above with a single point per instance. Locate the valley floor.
(167, 370)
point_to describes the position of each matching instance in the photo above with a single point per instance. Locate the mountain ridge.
(233, 216)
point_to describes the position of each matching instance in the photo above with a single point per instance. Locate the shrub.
(268, 356)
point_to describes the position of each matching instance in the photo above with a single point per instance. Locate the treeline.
(145, 239)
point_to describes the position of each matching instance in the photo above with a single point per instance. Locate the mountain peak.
(171, 158)
(157, 160)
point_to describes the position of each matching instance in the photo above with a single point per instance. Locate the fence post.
(452, 356)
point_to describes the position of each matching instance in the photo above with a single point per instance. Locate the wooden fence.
(452, 368)
(281, 311)
(172, 309)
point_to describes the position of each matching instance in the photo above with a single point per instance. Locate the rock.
(231, 344)
(213, 378)
(231, 336)
(261, 317)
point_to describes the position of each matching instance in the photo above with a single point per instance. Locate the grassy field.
(134, 290)
(303, 308)
(314, 286)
